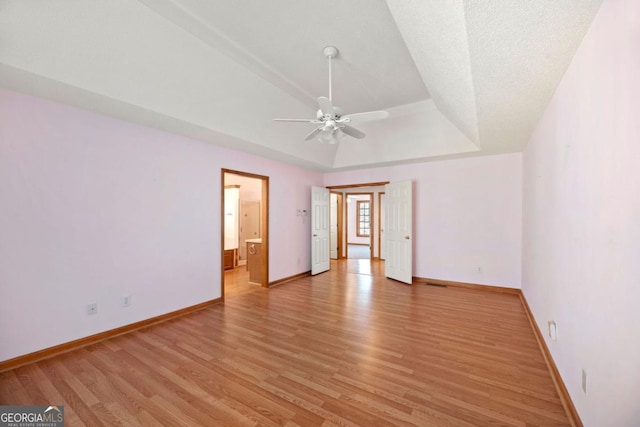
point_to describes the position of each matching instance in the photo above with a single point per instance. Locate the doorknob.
(315, 235)
(407, 237)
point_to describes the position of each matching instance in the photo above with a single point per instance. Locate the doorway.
(341, 192)
(359, 225)
(391, 228)
(245, 231)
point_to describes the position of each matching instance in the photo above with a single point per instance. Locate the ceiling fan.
(331, 123)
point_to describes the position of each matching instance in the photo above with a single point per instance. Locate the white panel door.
(398, 231)
(320, 261)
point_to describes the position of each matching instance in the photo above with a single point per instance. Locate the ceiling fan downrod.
(330, 52)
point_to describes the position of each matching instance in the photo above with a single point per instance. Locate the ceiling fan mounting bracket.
(330, 51)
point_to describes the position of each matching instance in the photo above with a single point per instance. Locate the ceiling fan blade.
(364, 117)
(313, 133)
(351, 131)
(297, 120)
(326, 106)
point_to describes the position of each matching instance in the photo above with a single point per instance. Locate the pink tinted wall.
(467, 216)
(94, 208)
(581, 229)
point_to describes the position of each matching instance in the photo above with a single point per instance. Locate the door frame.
(264, 225)
(344, 187)
(340, 197)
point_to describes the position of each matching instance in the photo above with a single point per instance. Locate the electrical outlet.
(584, 381)
(92, 308)
(125, 301)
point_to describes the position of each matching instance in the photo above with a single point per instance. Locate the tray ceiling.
(459, 78)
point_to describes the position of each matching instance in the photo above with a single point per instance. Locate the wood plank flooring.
(236, 282)
(347, 348)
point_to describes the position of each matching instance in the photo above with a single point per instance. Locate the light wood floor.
(236, 282)
(347, 347)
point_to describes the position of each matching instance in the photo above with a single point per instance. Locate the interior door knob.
(315, 235)
(407, 237)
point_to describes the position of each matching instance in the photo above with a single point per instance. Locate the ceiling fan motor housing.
(337, 113)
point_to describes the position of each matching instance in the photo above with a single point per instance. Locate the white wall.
(93, 208)
(231, 220)
(467, 214)
(581, 229)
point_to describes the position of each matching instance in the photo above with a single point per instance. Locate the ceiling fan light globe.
(325, 136)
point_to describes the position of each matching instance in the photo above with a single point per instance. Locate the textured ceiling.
(459, 78)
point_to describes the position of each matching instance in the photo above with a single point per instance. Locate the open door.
(398, 231)
(320, 249)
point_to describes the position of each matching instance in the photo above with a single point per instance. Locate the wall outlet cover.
(92, 308)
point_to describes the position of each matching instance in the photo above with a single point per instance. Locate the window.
(363, 218)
